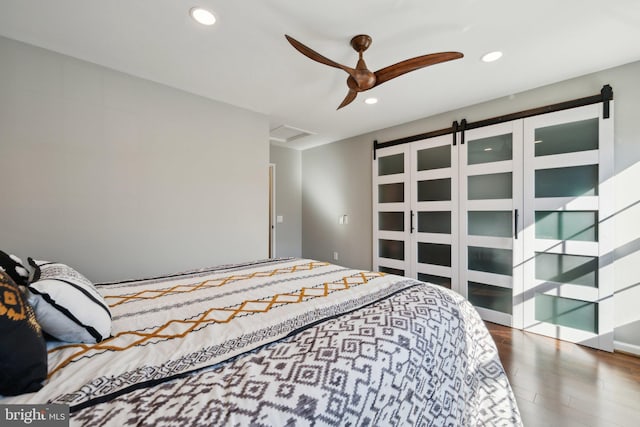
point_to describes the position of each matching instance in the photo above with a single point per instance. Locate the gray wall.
(288, 201)
(120, 177)
(337, 179)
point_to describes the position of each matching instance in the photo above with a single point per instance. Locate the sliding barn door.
(391, 211)
(434, 211)
(569, 225)
(490, 210)
(517, 217)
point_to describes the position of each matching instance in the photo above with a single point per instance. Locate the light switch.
(279, 219)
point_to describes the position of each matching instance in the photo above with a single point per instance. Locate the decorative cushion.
(13, 266)
(67, 305)
(23, 351)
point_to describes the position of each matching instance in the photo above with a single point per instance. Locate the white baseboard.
(626, 348)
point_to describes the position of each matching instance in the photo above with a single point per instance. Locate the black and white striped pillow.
(67, 305)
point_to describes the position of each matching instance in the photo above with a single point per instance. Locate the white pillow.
(67, 305)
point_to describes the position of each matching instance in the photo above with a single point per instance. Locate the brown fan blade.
(312, 54)
(351, 95)
(408, 65)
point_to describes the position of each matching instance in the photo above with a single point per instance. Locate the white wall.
(288, 200)
(329, 188)
(121, 177)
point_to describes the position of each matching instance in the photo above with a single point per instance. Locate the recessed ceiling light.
(371, 101)
(202, 16)
(492, 56)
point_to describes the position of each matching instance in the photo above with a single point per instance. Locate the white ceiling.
(245, 60)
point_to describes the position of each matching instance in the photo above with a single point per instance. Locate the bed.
(292, 342)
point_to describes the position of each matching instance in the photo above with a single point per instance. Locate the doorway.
(272, 210)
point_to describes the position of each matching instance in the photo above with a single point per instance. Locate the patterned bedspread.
(284, 343)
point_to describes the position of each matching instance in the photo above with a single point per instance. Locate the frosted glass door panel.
(567, 182)
(567, 312)
(391, 165)
(393, 249)
(437, 280)
(434, 158)
(434, 253)
(434, 222)
(490, 223)
(572, 225)
(490, 186)
(434, 190)
(390, 270)
(391, 221)
(391, 193)
(572, 269)
(491, 260)
(492, 297)
(566, 138)
(491, 149)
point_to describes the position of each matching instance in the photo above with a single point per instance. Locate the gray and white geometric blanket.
(286, 342)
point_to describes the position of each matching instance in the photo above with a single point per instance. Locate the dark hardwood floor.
(557, 383)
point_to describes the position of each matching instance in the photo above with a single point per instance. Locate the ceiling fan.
(361, 78)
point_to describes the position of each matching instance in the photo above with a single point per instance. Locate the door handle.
(410, 222)
(515, 223)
